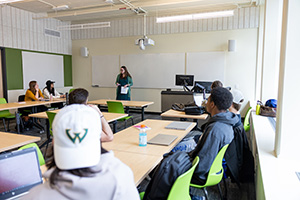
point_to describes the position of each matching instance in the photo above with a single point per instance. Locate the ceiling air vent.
(53, 33)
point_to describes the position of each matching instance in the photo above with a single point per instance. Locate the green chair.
(40, 155)
(5, 114)
(215, 173)
(117, 107)
(51, 116)
(181, 187)
(71, 90)
(246, 120)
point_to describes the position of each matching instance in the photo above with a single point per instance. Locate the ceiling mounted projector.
(143, 42)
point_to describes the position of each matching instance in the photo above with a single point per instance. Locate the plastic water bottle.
(258, 107)
(143, 136)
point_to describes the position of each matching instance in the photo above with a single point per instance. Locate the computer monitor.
(184, 80)
(205, 84)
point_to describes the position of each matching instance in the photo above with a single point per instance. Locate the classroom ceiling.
(99, 10)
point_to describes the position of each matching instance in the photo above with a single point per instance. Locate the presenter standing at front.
(123, 82)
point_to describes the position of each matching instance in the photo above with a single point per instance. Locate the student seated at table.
(80, 168)
(50, 92)
(80, 96)
(217, 132)
(34, 94)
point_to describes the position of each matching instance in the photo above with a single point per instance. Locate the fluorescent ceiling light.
(8, 1)
(84, 26)
(207, 15)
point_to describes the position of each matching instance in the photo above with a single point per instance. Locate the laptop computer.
(179, 125)
(162, 139)
(20, 171)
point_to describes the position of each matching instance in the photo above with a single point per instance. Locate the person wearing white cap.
(79, 169)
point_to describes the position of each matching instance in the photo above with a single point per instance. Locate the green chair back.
(216, 171)
(115, 107)
(71, 90)
(4, 113)
(51, 116)
(40, 155)
(181, 188)
(246, 120)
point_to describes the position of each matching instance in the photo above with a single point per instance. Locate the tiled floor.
(245, 192)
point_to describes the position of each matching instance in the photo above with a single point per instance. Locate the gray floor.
(245, 192)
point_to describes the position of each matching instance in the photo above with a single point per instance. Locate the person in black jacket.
(217, 132)
(238, 156)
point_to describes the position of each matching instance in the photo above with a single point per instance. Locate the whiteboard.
(154, 70)
(42, 67)
(105, 70)
(206, 66)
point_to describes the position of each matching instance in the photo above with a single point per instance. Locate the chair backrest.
(216, 171)
(246, 120)
(40, 155)
(181, 188)
(4, 113)
(51, 116)
(115, 107)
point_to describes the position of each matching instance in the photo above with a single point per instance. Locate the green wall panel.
(14, 69)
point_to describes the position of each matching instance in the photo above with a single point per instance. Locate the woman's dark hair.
(32, 85)
(48, 86)
(126, 73)
(216, 84)
(78, 96)
(81, 172)
(221, 97)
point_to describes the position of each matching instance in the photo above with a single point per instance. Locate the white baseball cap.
(237, 95)
(76, 133)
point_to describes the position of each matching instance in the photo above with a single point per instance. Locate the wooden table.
(180, 114)
(110, 117)
(137, 104)
(10, 141)
(26, 104)
(128, 140)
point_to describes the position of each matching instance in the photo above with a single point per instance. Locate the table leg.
(114, 126)
(18, 121)
(143, 114)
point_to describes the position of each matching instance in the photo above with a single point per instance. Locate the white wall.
(19, 30)
(239, 68)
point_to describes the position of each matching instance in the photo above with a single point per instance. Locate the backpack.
(169, 169)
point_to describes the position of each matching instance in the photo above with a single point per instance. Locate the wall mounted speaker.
(84, 52)
(231, 45)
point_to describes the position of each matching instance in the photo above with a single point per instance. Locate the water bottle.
(258, 107)
(143, 136)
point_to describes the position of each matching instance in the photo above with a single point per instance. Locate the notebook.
(162, 139)
(179, 125)
(20, 171)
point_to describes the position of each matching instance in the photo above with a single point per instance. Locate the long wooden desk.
(10, 141)
(137, 104)
(128, 140)
(180, 114)
(26, 104)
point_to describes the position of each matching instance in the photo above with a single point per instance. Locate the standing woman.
(123, 81)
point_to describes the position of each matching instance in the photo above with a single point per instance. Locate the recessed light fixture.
(226, 13)
(8, 1)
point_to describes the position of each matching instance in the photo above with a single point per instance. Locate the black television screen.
(205, 84)
(185, 80)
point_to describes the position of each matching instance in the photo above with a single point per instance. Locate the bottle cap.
(143, 126)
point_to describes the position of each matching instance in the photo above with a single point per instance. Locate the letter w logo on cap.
(76, 135)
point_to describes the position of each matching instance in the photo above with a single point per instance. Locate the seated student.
(216, 84)
(238, 156)
(80, 168)
(50, 92)
(35, 94)
(80, 96)
(217, 132)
